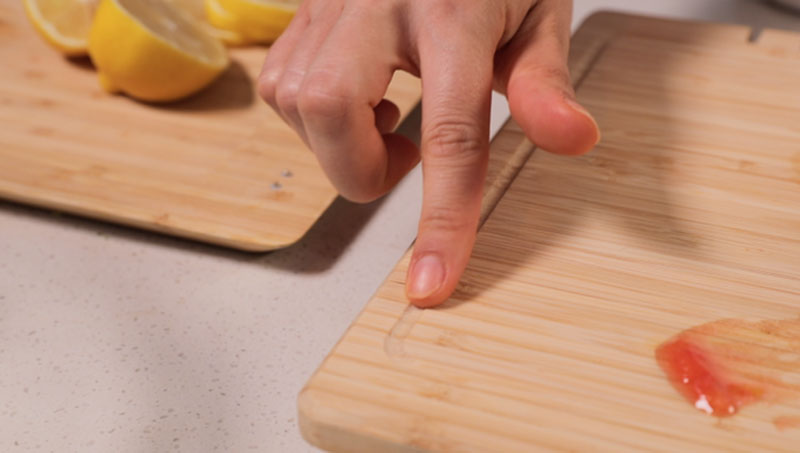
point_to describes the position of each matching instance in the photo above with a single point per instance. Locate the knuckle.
(286, 95)
(443, 8)
(325, 97)
(468, 19)
(448, 219)
(450, 139)
(359, 187)
(268, 85)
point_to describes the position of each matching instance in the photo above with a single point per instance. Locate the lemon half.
(197, 9)
(194, 8)
(153, 51)
(64, 24)
(251, 21)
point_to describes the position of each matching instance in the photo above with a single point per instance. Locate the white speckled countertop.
(113, 339)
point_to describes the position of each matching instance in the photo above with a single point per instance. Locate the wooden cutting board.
(687, 212)
(219, 167)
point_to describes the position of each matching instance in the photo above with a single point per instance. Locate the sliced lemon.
(63, 23)
(194, 8)
(251, 21)
(197, 9)
(152, 51)
(224, 23)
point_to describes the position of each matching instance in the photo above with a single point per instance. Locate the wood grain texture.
(688, 211)
(203, 168)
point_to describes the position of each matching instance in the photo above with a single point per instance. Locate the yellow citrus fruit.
(194, 8)
(63, 23)
(197, 9)
(251, 21)
(152, 51)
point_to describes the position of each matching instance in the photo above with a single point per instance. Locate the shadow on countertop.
(316, 252)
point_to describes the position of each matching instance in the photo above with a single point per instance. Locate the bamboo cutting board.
(219, 167)
(687, 212)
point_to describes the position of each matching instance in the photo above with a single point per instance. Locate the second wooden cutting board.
(219, 167)
(687, 212)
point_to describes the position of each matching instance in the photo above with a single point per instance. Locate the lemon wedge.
(63, 23)
(251, 21)
(194, 8)
(197, 9)
(153, 51)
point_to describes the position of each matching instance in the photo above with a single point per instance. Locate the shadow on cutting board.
(82, 62)
(234, 89)
(624, 182)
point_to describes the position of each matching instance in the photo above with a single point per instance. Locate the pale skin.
(327, 75)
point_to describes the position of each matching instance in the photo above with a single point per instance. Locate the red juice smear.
(707, 385)
(785, 422)
(721, 366)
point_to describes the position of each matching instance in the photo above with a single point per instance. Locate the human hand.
(327, 75)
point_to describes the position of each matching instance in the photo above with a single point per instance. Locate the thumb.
(532, 70)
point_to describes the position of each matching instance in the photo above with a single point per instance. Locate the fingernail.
(582, 110)
(426, 277)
